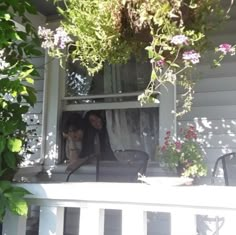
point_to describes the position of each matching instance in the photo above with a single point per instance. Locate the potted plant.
(172, 32)
(183, 154)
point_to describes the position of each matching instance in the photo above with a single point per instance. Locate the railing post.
(91, 221)
(14, 224)
(134, 221)
(183, 223)
(51, 219)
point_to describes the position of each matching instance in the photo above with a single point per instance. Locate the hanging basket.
(131, 28)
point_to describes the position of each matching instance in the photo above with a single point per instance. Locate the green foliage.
(113, 30)
(17, 95)
(11, 197)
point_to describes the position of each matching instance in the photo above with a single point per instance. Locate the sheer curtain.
(131, 128)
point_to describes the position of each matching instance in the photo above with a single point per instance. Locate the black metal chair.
(227, 163)
(135, 160)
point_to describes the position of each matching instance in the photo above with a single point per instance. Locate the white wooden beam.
(183, 223)
(51, 219)
(134, 221)
(91, 221)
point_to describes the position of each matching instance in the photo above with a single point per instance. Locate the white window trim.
(55, 104)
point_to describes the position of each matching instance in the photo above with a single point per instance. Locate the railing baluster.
(134, 221)
(51, 219)
(91, 221)
(183, 223)
(14, 224)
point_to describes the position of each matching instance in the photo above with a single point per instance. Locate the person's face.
(95, 121)
(76, 135)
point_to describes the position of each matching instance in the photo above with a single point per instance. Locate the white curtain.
(133, 129)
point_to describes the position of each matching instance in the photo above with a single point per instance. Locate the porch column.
(14, 224)
(167, 115)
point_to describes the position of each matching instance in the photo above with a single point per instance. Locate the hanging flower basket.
(172, 32)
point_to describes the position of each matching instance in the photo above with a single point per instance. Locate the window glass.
(119, 129)
(131, 77)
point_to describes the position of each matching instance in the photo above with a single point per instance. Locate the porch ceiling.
(46, 7)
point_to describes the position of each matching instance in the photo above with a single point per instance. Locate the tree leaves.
(13, 198)
(14, 145)
(17, 44)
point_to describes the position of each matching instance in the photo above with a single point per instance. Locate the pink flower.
(178, 146)
(191, 56)
(226, 48)
(179, 40)
(160, 63)
(163, 148)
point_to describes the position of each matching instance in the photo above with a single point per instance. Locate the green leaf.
(18, 206)
(153, 75)
(2, 143)
(3, 205)
(29, 80)
(7, 16)
(16, 192)
(4, 185)
(10, 159)
(14, 144)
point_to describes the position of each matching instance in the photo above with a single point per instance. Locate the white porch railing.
(134, 200)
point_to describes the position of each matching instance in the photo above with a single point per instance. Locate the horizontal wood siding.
(214, 106)
(34, 116)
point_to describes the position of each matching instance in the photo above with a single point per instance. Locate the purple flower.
(191, 56)
(51, 40)
(61, 38)
(47, 36)
(179, 40)
(226, 48)
(160, 63)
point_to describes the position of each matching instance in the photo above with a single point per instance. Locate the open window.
(132, 128)
(113, 92)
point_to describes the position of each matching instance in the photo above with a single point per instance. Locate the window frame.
(55, 87)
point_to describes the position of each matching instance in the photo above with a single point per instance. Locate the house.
(213, 111)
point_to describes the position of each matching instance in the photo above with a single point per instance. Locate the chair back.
(136, 159)
(227, 163)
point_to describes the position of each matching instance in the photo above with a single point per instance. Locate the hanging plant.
(173, 33)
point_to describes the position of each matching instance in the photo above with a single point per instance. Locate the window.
(114, 93)
(125, 129)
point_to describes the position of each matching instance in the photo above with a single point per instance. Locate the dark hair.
(72, 122)
(95, 113)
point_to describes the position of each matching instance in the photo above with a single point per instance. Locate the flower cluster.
(184, 154)
(223, 50)
(53, 40)
(226, 48)
(191, 56)
(180, 40)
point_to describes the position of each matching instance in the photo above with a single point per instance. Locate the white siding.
(34, 116)
(214, 107)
